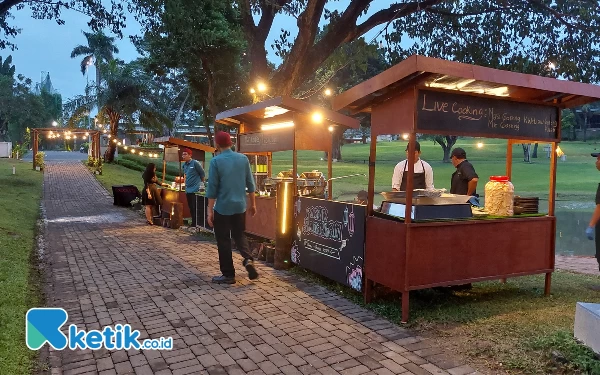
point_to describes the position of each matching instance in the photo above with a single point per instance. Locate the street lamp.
(54, 123)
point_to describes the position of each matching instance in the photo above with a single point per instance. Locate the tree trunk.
(446, 142)
(109, 155)
(206, 121)
(210, 98)
(535, 148)
(585, 125)
(98, 81)
(336, 146)
(526, 152)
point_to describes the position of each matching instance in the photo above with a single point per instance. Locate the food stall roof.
(255, 113)
(424, 71)
(170, 141)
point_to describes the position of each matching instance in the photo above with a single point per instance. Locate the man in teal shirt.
(194, 174)
(228, 179)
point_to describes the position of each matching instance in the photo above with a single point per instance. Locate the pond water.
(572, 218)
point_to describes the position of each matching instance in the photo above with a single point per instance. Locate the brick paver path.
(587, 265)
(105, 266)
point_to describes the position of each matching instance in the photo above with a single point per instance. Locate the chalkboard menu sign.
(451, 113)
(270, 140)
(329, 239)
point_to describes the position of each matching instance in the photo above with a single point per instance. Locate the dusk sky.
(44, 46)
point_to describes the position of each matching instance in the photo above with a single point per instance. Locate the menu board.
(329, 239)
(451, 113)
(268, 141)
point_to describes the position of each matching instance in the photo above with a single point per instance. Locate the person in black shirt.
(595, 220)
(464, 180)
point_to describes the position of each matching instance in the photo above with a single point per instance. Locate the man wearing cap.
(464, 179)
(228, 179)
(595, 220)
(422, 175)
(194, 174)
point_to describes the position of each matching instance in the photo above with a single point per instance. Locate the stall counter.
(170, 195)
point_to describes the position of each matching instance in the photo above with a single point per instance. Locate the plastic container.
(499, 196)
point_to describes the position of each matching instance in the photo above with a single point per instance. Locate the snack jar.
(499, 196)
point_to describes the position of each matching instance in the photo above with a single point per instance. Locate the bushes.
(137, 164)
(39, 160)
(95, 165)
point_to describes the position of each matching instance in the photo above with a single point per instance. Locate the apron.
(418, 179)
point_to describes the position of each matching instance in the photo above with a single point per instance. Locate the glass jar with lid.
(499, 196)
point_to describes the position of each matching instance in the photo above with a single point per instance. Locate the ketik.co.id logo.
(44, 324)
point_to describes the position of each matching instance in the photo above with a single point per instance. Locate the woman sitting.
(151, 195)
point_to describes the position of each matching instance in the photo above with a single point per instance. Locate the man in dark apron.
(595, 220)
(422, 175)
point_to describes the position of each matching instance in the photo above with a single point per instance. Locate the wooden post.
(330, 168)
(509, 153)
(164, 168)
(409, 177)
(372, 157)
(35, 145)
(269, 164)
(551, 202)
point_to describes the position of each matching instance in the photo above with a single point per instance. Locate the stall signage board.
(449, 113)
(329, 239)
(268, 141)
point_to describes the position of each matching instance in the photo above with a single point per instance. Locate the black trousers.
(191, 200)
(227, 227)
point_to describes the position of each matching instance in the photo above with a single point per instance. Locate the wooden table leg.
(548, 283)
(368, 295)
(405, 306)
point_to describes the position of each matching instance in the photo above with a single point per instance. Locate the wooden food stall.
(176, 190)
(285, 124)
(427, 95)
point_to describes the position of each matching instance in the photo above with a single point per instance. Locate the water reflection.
(572, 217)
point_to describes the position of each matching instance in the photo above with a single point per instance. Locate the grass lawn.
(20, 202)
(500, 328)
(577, 177)
(114, 174)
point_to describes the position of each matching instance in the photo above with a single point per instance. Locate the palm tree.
(100, 49)
(127, 94)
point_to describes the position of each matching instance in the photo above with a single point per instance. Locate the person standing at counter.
(422, 175)
(230, 176)
(595, 220)
(464, 179)
(151, 196)
(194, 174)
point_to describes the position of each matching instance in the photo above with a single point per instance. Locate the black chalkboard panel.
(450, 113)
(124, 194)
(329, 239)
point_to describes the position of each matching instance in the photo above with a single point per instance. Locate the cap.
(459, 153)
(187, 151)
(417, 146)
(223, 139)
(595, 154)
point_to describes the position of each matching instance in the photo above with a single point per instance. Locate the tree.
(100, 50)
(126, 94)
(583, 115)
(6, 67)
(506, 29)
(203, 41)
(101, 15)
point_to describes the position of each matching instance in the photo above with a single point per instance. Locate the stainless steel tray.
(444, 198)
